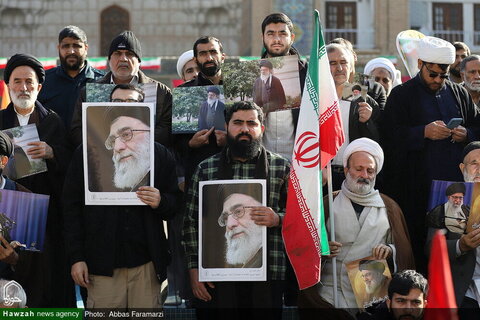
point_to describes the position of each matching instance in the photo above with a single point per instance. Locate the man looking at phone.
(418, 144)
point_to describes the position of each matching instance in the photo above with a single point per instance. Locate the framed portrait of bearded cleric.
(118, 148)
(369, 279)
(231, 246)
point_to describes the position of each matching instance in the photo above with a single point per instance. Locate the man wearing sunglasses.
(419, 145)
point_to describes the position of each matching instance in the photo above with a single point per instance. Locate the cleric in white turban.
(436, 50)
(383, 71)
(366, 145)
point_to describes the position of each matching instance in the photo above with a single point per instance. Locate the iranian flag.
(319, 136)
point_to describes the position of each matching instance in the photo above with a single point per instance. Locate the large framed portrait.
(118, 151)
(231, 246)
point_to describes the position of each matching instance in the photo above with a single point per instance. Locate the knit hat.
(126, 41)
(22, 59)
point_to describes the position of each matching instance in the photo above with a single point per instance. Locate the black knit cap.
(6, 145)
(22, 59)
(456, 187)
(126, 41)
(470, 147)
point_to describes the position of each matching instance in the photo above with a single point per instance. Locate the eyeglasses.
(238, 213)
(125, 100)
(433, 74)
(125, 136)
(456, 197)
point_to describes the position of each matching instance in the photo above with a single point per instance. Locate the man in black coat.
(24, 75)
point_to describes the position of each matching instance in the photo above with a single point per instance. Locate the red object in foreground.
(441, 304)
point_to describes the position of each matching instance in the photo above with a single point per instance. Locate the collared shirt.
(23, 119)
(278, 171)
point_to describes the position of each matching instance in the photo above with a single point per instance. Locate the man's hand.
(40, 150)
(437, 130)
(150, 196)
(7, 252)
(334, 248)
(381, 252)
(459, 134)
(221, 137)
(470, 240)
(200, 138)
(198, 288)
(264, 216)
(80, 273)
(364, 112)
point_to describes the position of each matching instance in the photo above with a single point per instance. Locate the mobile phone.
(454, 122)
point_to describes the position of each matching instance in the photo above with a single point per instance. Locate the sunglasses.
(433, 74)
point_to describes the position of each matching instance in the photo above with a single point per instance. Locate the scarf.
(371, 199)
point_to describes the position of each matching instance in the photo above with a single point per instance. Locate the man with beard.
(24, 75)
(62, 84)
(244, 237)
(268, 91)
(120, 253)
(470, 73)
(367, 223)
(124, 58)
(461, 52)
(407, 299)
(376, 283)
(418, 145)
(243, 158)
(129, 139)
(463, 248)
(211, 111)
(278, 37)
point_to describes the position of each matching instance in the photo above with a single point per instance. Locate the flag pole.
(332, 232)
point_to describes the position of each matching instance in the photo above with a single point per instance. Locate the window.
(476, 26)
(341, 21)
(448, 21)
(114, 20)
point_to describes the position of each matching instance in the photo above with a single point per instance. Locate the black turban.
(6, 145)
(470, 147)
(112, 113)
(214, 90)
(22, 59)
(457, 187)
(266, 63)
(372, 265)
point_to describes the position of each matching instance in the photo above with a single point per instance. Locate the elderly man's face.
(243, 236)
(277, 39)
(124, 65)
(382, 76)
(212, 96)
(24, 87)
(264, 71)
(471, 75)
(433, 76)
(131, 156)
(190, 70)
(340, 66)
(407, 307)
(456, 199)
(372, 280)
(361, 172)
(126, 95)
(72, 53)
(471, 166)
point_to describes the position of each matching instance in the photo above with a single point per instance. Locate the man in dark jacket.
(24, 75)
(120, 253)
(62, 84)
(124, 59)
(419, 147)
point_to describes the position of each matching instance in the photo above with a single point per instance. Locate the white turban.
(182, 60)
(381, 63)
(366, 145)
(435, 50)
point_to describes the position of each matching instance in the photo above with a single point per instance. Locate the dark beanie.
(470, 147)
(6, 145)
(456, 187)
(22, 59)
(126, 41)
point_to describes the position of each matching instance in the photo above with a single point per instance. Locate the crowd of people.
(120, 255)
